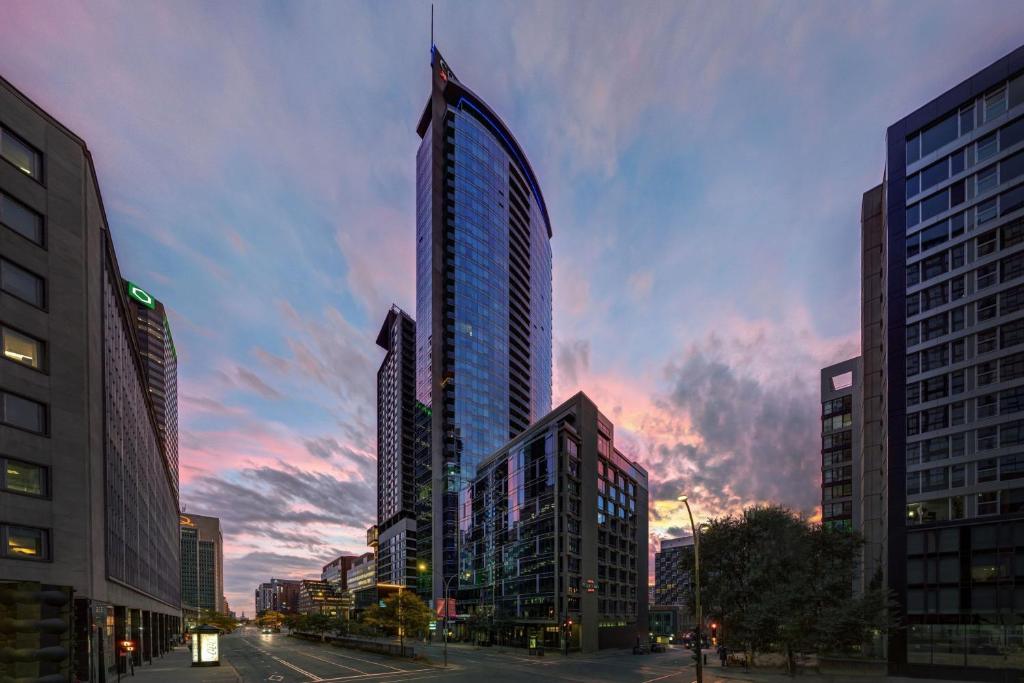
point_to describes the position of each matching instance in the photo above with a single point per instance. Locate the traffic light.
(714, 630)
(35, 632)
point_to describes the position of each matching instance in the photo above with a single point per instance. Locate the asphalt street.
(261, 658)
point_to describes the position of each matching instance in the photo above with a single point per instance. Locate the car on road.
(266, 630)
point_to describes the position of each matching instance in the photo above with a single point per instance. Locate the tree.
(774, 581)
(270, 618)
(412, 619)
(319, 624)
(220, 620)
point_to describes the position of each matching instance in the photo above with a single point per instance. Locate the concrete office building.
(953, 220)
(202, 566)
(483, 304)
(673, 570)
(555, 529)
(87, 495)
(396, 485)
(841, 427)
(160, 359)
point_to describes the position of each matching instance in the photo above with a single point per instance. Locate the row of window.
(1004, 270)
(836, 422)
(1005, 502)
(963, 120)
(964, 190)
(939, 448)
(843, 404)
(936, 479)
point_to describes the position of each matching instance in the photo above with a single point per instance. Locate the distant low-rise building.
(278, 595)
(362, 581)
(320, 597)
(335, 572)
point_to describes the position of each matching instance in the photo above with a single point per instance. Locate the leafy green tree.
(218, 619)
(270, 618)
(319, 624)
(403, 611)
(777, 582)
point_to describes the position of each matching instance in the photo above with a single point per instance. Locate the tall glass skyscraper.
(483, 309)
(954, 396)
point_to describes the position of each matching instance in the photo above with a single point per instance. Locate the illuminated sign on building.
(141, 295)
(185, 521)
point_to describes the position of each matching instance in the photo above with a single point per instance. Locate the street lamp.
(447, 586)
(696, 571)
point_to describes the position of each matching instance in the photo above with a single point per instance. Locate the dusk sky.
(702, 162)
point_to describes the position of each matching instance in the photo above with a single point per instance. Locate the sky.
(702, 162)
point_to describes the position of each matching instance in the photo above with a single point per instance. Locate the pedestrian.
(723, 654)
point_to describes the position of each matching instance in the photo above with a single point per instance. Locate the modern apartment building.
(554, 528)
(953, 313)
(396, 485)
(88, 495)
(335, 572)
(202, 566)
(841, 408)
(320, 597)
(673, 571)
(483, 304)
(160, 359)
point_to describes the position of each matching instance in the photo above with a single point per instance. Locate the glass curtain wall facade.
(556, 541)
(483, 303)
(954, 192)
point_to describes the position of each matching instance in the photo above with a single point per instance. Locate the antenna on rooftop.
(431, 26)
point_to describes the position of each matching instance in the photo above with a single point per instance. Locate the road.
(264, 658)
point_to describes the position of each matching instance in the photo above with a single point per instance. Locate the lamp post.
(447, 586)
(696, 571)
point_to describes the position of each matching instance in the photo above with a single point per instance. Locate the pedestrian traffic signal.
(35, 631)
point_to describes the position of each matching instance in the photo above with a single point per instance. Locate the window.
(987, 147)
(957, 413)
(986, 243)
(986, 211)
(986, 340)
(935, 357)
(21, 348)
(1011, 367)
(1011, 167)
(988, 503)
(986, 372)
(1012, 300)
(20, 153)
(995, 103)
(987, 307)
(934, 327)
(18, 282)
(935, 387)
(934, 296)
(957, 288)
(934, 266)
(1011, 267)
(1011, 467)
(940, 134)
(21, 219)
(987, 438)
(967, 119)
(1011, 200)
(913, 482)
(22, 477)
(986, 406)
(933, 206)
(934, 174)
(913, 185)
(22, 413)
(956, 382)
(986, 470)
(1011, 334)
(1013, 233)
(913, 393)
(986, 275)
(988, 179)
(913, 274)
(25, 543)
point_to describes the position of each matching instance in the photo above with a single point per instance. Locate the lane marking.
(312, 676)
(327, 661)
(674, 673)
(398, 677)
(358, 659)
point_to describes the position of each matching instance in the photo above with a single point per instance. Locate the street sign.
(433, 626)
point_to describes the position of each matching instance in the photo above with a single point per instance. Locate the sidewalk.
(176, 667)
